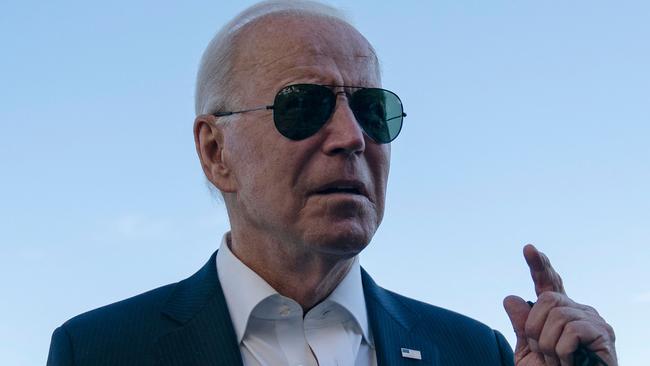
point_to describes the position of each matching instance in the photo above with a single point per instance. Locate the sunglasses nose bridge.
(337, 102)
(345, 104)
(343, 131)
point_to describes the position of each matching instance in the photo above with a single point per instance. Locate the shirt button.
(285, 311)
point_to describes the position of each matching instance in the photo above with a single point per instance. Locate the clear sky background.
(528, 121)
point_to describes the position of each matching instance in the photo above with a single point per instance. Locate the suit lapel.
(204, 335)
(392, 325)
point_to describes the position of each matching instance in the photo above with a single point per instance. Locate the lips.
(346, 186)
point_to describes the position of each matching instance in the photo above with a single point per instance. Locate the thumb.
(517, 310)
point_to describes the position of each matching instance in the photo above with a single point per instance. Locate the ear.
(209, 138)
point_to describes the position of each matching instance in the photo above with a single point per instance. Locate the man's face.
(325, 192)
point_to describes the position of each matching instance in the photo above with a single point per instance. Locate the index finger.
(543, 274)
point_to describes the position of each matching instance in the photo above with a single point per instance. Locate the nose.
(343, 134)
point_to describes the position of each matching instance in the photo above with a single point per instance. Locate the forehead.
(283, 48)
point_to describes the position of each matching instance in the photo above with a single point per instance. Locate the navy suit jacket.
(188, 324)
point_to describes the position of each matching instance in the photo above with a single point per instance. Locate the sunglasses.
(300, 110)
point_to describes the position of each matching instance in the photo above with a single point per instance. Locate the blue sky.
(527, 122)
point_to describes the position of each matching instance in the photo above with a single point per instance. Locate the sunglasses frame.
(272, 107)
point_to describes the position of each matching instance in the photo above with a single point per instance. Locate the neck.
(303, 275)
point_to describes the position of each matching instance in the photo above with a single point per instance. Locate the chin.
(341, 239)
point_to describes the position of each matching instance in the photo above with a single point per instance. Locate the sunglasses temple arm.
(223, 114)
(392, 118)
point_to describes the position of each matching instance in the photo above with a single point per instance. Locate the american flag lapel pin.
(411, 353)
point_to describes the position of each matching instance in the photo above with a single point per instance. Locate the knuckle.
(546, 347)
(610, 349)
(591, 310)
(563, 351)
(572, 328)
(532, 330)
(559, 313)
(549, 298)
(610, 332)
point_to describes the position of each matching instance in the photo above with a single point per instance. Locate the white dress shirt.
(272, 330)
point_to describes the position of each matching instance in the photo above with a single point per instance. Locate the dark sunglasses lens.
(300, 110)
(379, 112)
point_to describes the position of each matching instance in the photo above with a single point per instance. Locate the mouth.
(349, 187)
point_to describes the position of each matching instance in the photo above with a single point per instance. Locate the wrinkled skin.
(551, 331)
(300, 241)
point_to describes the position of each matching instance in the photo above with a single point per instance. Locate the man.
(294, 130)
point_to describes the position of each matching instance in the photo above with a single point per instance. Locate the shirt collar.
(234, 276)
(349, 294)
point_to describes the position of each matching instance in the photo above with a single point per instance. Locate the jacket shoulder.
(122, 333)
(132, 310)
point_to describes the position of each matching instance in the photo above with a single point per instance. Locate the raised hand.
(549, 332)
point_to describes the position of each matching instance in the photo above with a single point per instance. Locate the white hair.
(215, 84)
(215, 81)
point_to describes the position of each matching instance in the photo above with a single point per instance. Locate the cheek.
(386, 159)
(243, 159)
(261, 167)
(379, 161)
